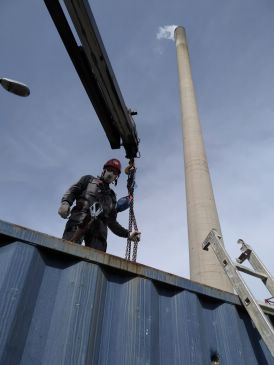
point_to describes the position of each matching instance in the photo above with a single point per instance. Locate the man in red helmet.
(94, 209)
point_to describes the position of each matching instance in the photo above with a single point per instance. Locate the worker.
(86, 193)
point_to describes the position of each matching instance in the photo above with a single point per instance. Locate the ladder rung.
(251, 272)
(267, 308)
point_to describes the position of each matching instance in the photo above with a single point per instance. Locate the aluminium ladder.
(254, 309)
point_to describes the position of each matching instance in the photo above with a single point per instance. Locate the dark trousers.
(90, 237)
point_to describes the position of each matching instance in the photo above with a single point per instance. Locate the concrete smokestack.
(202, 214)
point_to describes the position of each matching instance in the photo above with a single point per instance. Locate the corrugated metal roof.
(62, 303)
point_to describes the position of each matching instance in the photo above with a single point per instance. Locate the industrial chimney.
(202, 214)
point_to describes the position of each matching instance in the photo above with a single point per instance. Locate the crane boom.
(92, 64)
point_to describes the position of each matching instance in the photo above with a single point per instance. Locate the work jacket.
(85, 192)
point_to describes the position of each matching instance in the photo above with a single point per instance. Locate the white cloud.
(166, 32)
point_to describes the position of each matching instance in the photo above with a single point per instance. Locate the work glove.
(64, 210)
(134, 236)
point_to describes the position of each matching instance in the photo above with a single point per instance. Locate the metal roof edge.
(36, 238)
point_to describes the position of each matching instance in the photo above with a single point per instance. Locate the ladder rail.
(254, 310)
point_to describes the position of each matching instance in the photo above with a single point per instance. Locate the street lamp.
(15, 87)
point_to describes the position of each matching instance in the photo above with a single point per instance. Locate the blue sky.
(53, 137)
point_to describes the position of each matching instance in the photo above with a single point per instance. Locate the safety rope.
(269, 301)
(131, 253)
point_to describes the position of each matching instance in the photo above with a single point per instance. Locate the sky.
(53, 137)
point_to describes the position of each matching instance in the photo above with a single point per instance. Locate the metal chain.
(135, 242)
(128, 249)
(132, 220)
(130, 186)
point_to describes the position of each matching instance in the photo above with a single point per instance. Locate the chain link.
(132, 223)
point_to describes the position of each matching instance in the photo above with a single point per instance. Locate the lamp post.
(15, 87)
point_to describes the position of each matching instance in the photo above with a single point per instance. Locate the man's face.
(109, 175)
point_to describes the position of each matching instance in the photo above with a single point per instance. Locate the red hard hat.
(115, 164)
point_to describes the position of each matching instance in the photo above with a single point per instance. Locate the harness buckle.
(95, 210)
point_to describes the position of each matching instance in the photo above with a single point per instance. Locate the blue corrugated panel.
(61, 303)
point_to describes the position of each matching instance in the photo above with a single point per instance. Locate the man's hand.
(64, 210)
(135, 236)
